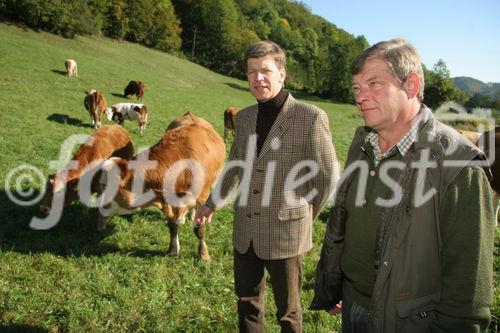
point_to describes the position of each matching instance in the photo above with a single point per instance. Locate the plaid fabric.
(280, 229)
(403, 145)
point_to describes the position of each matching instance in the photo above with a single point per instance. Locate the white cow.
(71, 68)
(121, 111)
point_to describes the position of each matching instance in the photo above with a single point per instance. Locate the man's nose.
(361, 96)
(260, 76)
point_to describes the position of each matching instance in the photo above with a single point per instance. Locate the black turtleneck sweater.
(268, 112)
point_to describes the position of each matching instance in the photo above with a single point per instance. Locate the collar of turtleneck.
(274, 104)
(268, 112)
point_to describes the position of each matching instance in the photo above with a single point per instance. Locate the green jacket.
(434, 260)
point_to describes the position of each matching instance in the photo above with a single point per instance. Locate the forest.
(215, 34)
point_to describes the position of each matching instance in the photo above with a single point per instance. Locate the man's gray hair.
(401, 58)
(265, 47)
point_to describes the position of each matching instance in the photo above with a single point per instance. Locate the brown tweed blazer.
(280, 228)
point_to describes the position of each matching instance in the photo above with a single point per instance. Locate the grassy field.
(74, 279)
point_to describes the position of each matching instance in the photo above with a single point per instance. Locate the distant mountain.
(474, 86)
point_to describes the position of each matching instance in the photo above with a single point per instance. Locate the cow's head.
(109, 113)
(118, 117)
(114, 170)
(57, 185)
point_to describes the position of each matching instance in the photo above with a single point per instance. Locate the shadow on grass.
(58, 71)
(118, 95)
(74, 235)
(236, 86)
(65, 119)
(20, 328)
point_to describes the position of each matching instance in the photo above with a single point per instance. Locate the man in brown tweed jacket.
(284, 166)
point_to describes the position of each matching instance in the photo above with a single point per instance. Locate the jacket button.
(256, 191)
(249, 215)
(386, 263)
(256, 213)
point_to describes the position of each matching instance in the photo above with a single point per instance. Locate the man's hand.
(203, 214)
(336, 310)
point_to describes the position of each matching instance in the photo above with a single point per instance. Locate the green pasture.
(72, 278)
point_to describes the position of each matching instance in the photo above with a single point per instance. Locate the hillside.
(38, 94)
(473, 86)
(73, 279)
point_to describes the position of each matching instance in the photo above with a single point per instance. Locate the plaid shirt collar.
(403, 145)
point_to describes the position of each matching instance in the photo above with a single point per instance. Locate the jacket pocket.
(415, 315)
(293, 213)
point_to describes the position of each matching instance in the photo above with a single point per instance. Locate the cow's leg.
(101, 222)
(199, 231)
(225, 133)
(95, 122)
(174, 247)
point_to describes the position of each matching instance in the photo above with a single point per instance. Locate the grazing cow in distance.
(121, 111)
(95, 104)
(134, 88)
(168, 182)
(71, 68)
(229, 119)
(105, 142)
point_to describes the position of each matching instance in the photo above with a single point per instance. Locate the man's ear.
(412, 85)
(282, 75)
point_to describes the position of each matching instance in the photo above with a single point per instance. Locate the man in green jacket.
(409, 243)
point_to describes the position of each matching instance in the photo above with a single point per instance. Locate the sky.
(464, 33)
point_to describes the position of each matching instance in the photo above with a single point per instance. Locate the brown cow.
(168, 184)
(95, 104)
(229, 119)
(105, 142)
(134, 88)
(71, 67)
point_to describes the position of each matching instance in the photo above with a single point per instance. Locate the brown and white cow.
(121, 111)
(95, 104)
(229, 119)
(105, 142)
(134, 88)
(71, 67)
(167, 183)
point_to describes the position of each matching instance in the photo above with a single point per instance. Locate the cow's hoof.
(173, 253)
(203, 253)
(205, 257)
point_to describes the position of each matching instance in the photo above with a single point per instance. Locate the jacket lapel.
(279, 127)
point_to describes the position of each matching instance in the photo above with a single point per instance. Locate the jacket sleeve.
(467, 229)
(328, 287)
(324, 154)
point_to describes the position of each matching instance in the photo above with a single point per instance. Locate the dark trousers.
(250, 283)
(354, 316)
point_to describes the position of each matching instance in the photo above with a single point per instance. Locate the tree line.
(216, 33)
